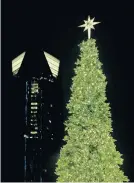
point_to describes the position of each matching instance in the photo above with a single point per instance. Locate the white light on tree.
(88, 25)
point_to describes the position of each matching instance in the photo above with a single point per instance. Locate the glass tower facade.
(40, 111)
(34, 132)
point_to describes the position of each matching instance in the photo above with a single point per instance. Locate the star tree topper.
(89, 24)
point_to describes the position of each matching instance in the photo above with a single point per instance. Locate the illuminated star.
(88, 25)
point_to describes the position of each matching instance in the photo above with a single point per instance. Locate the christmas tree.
(89, 154)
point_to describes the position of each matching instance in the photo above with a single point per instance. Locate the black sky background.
(54, 27)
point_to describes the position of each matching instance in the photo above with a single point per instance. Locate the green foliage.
(90, 153)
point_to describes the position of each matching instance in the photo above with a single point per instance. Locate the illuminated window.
(34, 119)
(34, 103)
(33, 116)
(35, 84)
(34, 88)
(34, 91)
(34, 107)
(33, 132)
(33, 96)
(33, 111)
(35, 124)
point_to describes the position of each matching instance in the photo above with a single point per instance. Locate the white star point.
(88, 25)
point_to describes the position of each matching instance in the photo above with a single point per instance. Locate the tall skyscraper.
(39, 71)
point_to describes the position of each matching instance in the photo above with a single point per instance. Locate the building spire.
(88, 25)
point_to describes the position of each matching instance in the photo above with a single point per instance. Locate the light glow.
(33, 132)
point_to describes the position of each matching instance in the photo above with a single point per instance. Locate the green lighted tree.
(90, 153)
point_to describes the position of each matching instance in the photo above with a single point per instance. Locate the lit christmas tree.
(90, 153)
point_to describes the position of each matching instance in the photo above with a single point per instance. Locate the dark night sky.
(45, 25)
